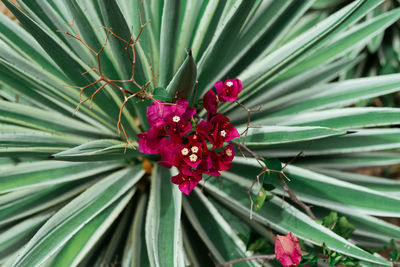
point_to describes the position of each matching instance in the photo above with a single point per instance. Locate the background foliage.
(69, 195)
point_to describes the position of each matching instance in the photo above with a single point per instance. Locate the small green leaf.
(330, 220)
(183, 83)
(344, 228)
(262, 194)
(161, 94)
(272, 164)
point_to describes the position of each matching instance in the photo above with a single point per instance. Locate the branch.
(295, 199)
(281, 180)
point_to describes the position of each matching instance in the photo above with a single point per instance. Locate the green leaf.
(188, 22)
(63, 57)
(115, 20)
(44, 173)
(21, 41)
(209, 21)
(220, 48)
(351, 161)
(101, 149)
(262, 196)
(371, 182)
(31, 117)
(214, 230)
(15, 136)
(283, 217)
(340, 195)
(135, 253)
(15, 236)
(345, 118)
(337, 194)
(313, 77)
(344, 228)
(270, 23)
(169, 32)
(22, 203)
(92, 36)
(333, 95)
(85, 239)
(75, 215)
(356, 36)
(183, 83)
(163, 228)
(271, 135)
(161, 94)
(269, 67)
(330, 220)
(360, 141)
(271, 164)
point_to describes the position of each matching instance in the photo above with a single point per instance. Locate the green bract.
(70, 195)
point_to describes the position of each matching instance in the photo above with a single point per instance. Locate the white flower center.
(229, 84)
(195, 149)
(223, 133)
(185, 151)
(193, 158)
(176, 119)
(228, 152)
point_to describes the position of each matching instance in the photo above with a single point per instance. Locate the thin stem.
(295, 199)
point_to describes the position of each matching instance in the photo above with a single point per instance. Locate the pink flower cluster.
(194, 146)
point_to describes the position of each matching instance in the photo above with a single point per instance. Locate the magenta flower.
(229, 90)
(184, 141)
(287, 250)
(187, 180)
(223, 130)
(149, 142)
(161, 113)
(210, 102)
(224, 158)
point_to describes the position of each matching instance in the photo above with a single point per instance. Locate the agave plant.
(72, 193)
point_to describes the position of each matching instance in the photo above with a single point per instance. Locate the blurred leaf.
(214, 231)
(75, 215)
(286, 219)
(163, 229)
(84, 240)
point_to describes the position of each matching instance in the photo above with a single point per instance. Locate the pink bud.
(287, 250)
(210, 102)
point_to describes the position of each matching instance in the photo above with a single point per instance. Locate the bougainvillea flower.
(287, 250)
(177, 127)
(223, 159)
(187, 180)
(169, 154)
(210, 102)
(229, 90)
(172, 136)
(149, 142)
(191, 153)
(160, 113)
(223, 130)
